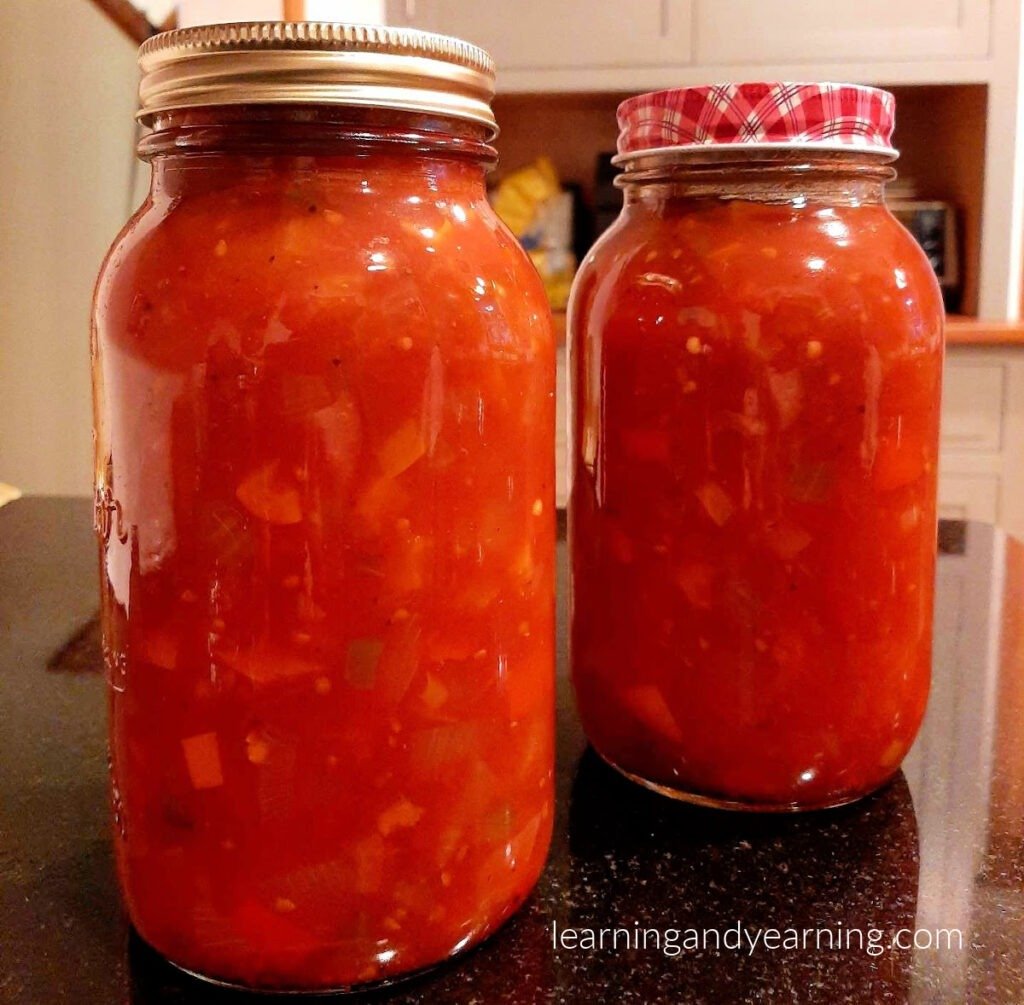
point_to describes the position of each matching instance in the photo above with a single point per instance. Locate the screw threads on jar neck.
(254, 130)
(783, 175)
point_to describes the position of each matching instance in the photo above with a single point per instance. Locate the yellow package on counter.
(556, 268)
(520, 196)
(533, 206)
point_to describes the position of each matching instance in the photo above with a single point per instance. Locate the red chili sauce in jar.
(757, 358)
(324, 420)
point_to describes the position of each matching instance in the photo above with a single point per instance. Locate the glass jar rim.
(721, 165)
(740, 152)
(311, 130)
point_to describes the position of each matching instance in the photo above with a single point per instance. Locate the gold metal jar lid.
(316, 63)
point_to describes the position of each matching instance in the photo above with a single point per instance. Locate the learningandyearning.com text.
(740, 938)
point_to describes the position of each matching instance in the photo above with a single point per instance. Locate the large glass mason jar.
(756, 364)
(324, 495)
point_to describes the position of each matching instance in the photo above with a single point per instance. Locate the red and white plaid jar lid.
(763, 115)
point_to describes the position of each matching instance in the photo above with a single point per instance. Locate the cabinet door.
(969, 496)
(567, 34)
(973, 403)
(981, 471)
(756, 32)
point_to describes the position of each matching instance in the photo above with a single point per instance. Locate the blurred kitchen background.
(69, 179)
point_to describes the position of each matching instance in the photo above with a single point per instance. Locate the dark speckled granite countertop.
(940, 848)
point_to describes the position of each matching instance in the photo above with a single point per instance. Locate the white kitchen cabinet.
(630, 46)
(785, 31)
(969, 497)
(567, 44)
(568, 34)
(974, 397)
(981, 468)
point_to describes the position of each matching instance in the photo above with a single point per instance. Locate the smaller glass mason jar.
(756, 357)
(324, 426)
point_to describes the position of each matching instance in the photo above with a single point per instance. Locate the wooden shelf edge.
(962, 330)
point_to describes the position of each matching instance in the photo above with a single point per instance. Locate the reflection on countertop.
(942, 847)
(966, 775)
